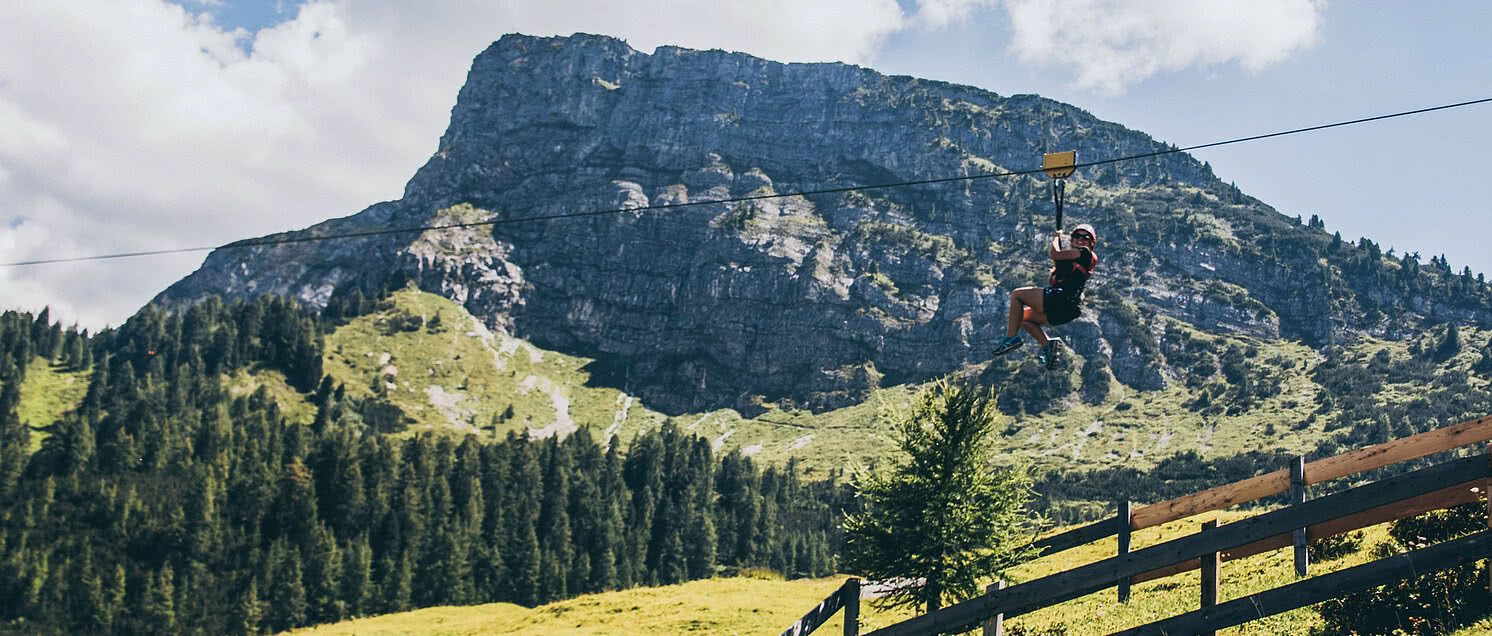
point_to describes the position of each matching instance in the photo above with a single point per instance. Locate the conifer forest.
(164, 503)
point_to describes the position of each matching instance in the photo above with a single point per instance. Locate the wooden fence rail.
(1321, 470)
(1440, 499)
(1314, 590)
(1255, 488)
(847, 597)
(1430, 488)
(1083, 580)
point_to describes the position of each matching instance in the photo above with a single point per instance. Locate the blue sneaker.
(1010, 344)
(1048, 354)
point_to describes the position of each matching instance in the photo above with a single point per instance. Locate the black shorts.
(1060, 306)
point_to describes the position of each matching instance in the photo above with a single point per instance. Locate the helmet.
(1084, 227)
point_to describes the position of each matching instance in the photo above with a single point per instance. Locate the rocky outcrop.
(810, 299)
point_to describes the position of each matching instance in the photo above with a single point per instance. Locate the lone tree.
(942, 518)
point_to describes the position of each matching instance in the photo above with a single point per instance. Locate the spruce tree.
(521, 548)
(699, 535)
(488, 573)
(398, 584)
(1450, 344)
(287, 606)
(248, 612)
(941, 514)
(15, 437)
(348, 509)
(554, 525)
(323, 578)
(159, 610)
(699, 545)
(357, 576)
(295, 508)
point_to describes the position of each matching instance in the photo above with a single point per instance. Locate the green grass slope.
(49, 391)
(460, 377)
(711, 606)
(765, 606)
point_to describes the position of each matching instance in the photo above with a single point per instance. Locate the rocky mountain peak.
(810, 300)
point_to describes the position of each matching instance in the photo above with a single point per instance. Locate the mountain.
(252, 464)
(814, 301)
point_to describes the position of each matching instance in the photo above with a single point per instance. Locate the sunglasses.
(1082, 235)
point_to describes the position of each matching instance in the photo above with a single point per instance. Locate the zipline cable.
(673, 206)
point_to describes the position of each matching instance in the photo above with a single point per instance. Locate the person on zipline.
(1032, 307)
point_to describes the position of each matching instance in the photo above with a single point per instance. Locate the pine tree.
(357, 576)
(398, 584)
(488, 574)
(159, 610)
(86, 362)
(248, 612)
(699, 535)
(619, 503)
(323, 578)
(1450, 344)
(72, 351)
(941, 514)
(672, 563)
(106, 595)
(349, 504)
(700, 543)
(295, 508)
(15, 437)
(554, 525)
(287, 606)
(521, 549)
(202, 538)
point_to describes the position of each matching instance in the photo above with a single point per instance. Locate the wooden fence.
(846, 597)
(1431, 488)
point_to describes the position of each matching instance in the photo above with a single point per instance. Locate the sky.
(134, 125)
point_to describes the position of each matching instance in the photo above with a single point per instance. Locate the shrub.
(403, 321)
(765, 574)
(1336, 546)
(1434, 603)
(1055, 629)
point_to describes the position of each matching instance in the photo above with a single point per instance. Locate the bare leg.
(1020, 300)
(1034, 328)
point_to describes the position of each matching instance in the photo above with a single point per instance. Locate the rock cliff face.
(809, 299)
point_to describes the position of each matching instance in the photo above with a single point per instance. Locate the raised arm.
(1057, 253)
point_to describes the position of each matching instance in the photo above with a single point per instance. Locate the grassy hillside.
(452, 374)
(48, 392)
(766, 605)
(460, 377)
(714, 606)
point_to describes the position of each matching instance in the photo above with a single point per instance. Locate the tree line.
(167, 502)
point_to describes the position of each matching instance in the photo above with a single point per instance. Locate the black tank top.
(1072, 275)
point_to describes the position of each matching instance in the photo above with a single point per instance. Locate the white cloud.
(130, 125)
(936, 14)
(1110, 45)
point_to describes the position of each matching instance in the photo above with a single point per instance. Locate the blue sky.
(1379, 179)
(249, 16)
(132, 125)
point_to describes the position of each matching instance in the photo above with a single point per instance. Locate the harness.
(1071, 276)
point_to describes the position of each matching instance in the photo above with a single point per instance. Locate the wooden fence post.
(1210, 579)
(851, 592)
(1298, 497)
(994, 625)
(1125, 518)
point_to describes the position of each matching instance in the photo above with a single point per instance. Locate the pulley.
(1059, 166)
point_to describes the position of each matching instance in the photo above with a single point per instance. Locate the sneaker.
(1048, 354)
(1010, 344)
